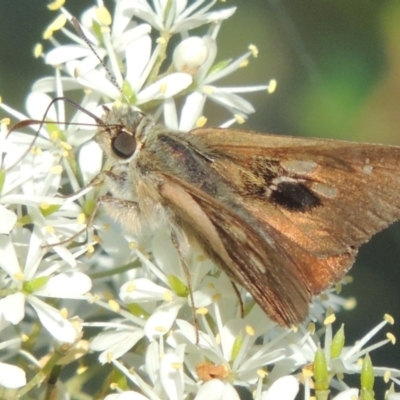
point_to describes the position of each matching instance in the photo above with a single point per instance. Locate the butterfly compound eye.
(124, 144)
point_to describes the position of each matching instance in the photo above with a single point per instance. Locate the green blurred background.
(337, 63)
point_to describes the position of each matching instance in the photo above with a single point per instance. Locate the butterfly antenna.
(29, 122)
(80, 32)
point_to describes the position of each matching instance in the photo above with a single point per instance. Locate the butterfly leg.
(118, 204)
(96, 181)
(237, 292)
(120, 210)
(186, 271)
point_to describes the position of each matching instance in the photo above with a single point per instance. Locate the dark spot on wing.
(294, 196)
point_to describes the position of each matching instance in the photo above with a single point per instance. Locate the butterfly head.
(123, 133)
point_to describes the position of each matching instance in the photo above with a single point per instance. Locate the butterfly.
(281, 216)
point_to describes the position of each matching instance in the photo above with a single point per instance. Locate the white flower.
(37, 279)
(163, 300)
(132, 46)
(347, 360)
(176, 16)
(233, 346)
(205, 76)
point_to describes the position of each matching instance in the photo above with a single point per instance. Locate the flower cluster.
(73, 284)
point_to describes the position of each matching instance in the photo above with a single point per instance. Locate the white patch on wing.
(324, 190)
(299, 167)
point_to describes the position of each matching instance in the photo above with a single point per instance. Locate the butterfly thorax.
(143, 155)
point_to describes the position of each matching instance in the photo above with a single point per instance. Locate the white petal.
(121, 42)
(142, 289)
(11, 376)
(232, 101)
(351, 394)
(115, 344)
(90, 62)
(220, 14)
(90, 160)
(123, 13)
(8, 220)
(48, 85)
(161, 320)
(286, 388)
(51, 318)
(191, 111)
(62, 54)
(8, 258)
(30, 200)
(115, 244)
(95, 80)
(170, 114)
(180, 6)
(137, 56)
(35, 252)
(185, 333)
(171, 376)
(143, 11)
(3, 322)
(66, 286)
(36, 105)
(204, 297)
(198, 19)
(152, 361)
(13, 308)
(165, 87)
(165, 254)
(217, 390)
(64, 253)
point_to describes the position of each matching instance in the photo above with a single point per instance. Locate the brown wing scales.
(286, 215)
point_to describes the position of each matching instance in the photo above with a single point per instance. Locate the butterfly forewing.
(303, 206)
